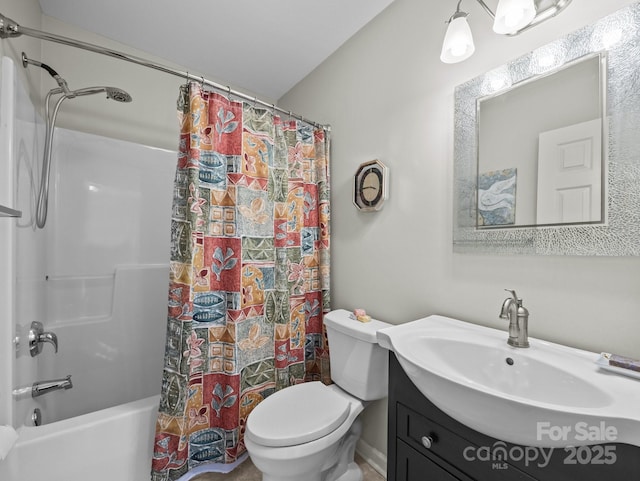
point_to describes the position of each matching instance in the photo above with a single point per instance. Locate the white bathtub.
(114, 444)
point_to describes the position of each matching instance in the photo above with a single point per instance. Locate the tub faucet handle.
(38, 336)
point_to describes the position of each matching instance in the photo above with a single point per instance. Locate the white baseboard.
(371, 455)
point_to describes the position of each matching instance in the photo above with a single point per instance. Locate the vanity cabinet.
(425, 444)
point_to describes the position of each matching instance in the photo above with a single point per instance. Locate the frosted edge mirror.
(616, 37)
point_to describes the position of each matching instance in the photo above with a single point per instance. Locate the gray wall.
(387, 96)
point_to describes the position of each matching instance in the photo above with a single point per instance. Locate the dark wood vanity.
(425, 444)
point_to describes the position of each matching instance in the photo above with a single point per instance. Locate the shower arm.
(11, 29)
(61, 82)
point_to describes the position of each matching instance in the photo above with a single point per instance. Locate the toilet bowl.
(309, 431)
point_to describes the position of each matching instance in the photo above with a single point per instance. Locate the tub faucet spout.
(43, 387)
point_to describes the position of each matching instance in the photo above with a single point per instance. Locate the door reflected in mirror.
(540, 149)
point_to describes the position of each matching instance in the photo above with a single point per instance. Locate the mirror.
(498, 200)
(540, 149)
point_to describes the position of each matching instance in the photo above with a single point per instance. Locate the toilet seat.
(296, 415)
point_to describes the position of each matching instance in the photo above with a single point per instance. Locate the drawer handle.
(427, 441)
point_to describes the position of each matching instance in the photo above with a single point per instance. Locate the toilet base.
(346, 469)
(353, 473)
(339, 467)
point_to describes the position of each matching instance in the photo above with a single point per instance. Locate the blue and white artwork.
(497, 197)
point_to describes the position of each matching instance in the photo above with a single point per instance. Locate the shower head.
(118, 95)
(113, 93)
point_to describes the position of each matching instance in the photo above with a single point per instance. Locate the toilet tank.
(358, 364)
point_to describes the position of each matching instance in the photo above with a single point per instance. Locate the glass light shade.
(458, 41)
(512, 15)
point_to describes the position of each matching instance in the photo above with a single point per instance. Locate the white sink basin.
(547, 395)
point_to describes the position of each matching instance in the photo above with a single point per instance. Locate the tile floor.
(248, 472)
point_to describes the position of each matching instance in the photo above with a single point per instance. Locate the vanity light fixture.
(458, 41)
(511, 18)
(513, 15)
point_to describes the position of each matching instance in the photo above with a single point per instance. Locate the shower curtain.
(249, 275)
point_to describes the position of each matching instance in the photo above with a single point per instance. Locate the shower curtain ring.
(202, 82)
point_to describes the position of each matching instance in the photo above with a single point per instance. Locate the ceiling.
(263, 47)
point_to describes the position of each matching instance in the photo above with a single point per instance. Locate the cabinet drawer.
(431, 439)
(413, 466)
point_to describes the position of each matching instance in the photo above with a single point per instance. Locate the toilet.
(309, 431)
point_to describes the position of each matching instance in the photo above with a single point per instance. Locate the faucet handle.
(504, 310)
(37, 336)
(515, 296)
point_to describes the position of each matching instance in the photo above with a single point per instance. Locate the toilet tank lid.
(341, 321)
(296, 415)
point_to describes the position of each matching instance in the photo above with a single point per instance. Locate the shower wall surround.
(96, 275)
(106, 270)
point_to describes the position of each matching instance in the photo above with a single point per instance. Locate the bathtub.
(114, 444)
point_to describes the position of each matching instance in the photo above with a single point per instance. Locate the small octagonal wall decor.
(370, 186)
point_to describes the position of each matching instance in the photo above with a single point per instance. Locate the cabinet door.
(413, 466)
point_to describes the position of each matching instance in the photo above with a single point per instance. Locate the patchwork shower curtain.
(249, 275)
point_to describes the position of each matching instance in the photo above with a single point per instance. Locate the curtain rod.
(11, 29)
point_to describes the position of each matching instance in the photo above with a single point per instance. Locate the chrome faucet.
(43, 387)
(518, 316)
(37, 336)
